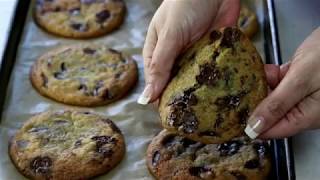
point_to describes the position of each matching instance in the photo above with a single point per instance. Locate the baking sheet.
(138, 123)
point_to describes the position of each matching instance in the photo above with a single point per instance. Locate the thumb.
(290, 91)
(158, 64)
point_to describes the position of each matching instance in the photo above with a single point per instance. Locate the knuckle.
(276, 108)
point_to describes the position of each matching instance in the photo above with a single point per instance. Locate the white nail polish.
(144, 98)
(250, 131)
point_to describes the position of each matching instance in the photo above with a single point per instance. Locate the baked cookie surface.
(84, 75)
(79, 18)
(66, 145)
(219, 82)
(248, 22)
(170, 156)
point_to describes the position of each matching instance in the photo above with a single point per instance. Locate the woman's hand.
(174, 27)
(294, 103)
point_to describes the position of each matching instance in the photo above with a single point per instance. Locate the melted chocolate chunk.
(182, 115)
(208, 74)
(44, 80)
(41, 165)
(252, 164)
(107, 94)
(79, 27)
(106, 152)
(215, 35)
(218, 122)
(208, 133)
(199, 171)
(238, 175)
(243, 116)
(112, 125)
(102, 140)
(190, 122)
(168, 140)
(229, 148)
(102, 16)
(261, 148)
(58, 75)
(88, 51)
(74, 11)
(230, 36)
(155, 158)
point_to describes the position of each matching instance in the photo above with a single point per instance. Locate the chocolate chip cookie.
(66, 145)
(217, 83)
(248, 22)
(79, 18)
(170, 156)
(84, 75)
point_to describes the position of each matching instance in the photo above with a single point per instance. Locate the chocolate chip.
(229, 148)
(74, 11)
(208, 133)
(112, 125)
(252, 164)
(63, 67)
(107, 94)
(155, 158)
(243, 115)
(218, 121)
(200, 171)
(261, 148)
(106, 152)
(238, 175)
(79, 27)
(190, 122)
(118, 75)
(97, 88)
(44, 80)
(83, 88)
(230, 36)
(59, 75)
(102, 16)
(78, 143)
(88, 51)
(215, 35)
(102, 140)
(230, 101)
(41, 165)
(208, 74)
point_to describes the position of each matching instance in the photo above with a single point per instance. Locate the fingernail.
(145, 96)
(254, 127)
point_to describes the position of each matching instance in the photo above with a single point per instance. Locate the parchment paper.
(138, 123)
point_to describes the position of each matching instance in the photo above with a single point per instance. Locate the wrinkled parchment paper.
(138, 123)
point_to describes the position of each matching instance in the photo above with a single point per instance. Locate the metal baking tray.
(282, 156)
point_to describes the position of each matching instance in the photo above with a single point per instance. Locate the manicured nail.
(253, 127)
(145, 96)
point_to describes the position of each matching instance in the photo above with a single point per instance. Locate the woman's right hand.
(174, 27)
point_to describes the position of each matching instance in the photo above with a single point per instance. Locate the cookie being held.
(79, 18)
(66, 145)
(170, 156)
(84, 75)
(219, 82)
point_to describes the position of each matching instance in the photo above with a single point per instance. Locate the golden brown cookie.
(248, 22)
(219, 82)
(66, 145)
(79, 18)
(84, 75)
(174, 157)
